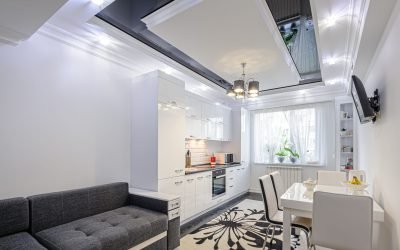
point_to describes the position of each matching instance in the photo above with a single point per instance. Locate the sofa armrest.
(169, 206)
(149, 203)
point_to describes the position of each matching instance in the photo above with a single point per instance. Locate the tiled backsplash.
(201, 150)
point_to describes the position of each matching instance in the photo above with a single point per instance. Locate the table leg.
(287, 221)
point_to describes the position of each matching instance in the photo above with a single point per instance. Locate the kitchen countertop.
(207, 167)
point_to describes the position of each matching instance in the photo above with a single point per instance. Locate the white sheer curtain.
(301, 125)
(309, 130)
(268, 138)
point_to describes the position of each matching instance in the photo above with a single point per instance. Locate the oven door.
(218, 186)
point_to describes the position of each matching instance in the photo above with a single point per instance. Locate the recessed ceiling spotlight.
(168, 70)
(331, 60)
(334, 81)
(98, 2)
(217, 103)
(204, 87)
(104, 39)
(331, 21)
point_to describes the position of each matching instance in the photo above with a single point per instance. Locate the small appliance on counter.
(213, 160)
(224, 158)
(188, 158)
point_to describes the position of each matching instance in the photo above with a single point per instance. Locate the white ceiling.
(222, 34)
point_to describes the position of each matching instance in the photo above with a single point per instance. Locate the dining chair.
(274, 216)
(330, 178)
(360, 174)
(342, 221)
(277, 181)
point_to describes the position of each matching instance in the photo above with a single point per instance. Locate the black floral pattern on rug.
(241, 228)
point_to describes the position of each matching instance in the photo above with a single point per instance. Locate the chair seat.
(297, 221)
(121, 228)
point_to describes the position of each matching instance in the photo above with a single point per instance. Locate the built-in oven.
(218, 182)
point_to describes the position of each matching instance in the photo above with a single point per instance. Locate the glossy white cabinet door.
(227, 125)
(208, 190)
(171, 131)
(190, 196)
(193, 108)
(193, 128)
(200, 193)
(176, 186)
(230, 182)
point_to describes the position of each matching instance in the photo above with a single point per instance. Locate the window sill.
(288, 164)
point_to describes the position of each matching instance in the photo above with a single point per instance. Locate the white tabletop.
(297, 197)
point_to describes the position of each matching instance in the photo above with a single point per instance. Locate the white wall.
(65, 119)
(379, 142)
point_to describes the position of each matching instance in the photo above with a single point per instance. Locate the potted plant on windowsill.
(281, 155)
(293, 155)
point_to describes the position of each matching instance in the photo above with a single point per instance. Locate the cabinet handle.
(190, 180)
(231, 186)
(200, 177)
(178, 170)
(208, 176)
(176, 213)
(230, 178)
(230, 171)
(193, 116)
(175, 204)
(178, 182)
(242, 168)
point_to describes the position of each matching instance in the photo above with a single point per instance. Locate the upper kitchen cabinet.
(158, 129)
(16, 28)
(206, 120)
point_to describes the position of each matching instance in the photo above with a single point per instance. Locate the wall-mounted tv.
(366, 107)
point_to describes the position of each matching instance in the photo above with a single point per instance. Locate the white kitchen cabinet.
(158, 119)
(176, 186)
(193, 128)
(230, 182)
(193, 107)
(227, 125)
(190, 196)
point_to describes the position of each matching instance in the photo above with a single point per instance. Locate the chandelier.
(242, 88)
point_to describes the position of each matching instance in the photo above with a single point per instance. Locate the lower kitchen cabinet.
(195, 190)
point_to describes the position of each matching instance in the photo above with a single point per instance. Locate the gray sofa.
(102, 217)
(14, 223)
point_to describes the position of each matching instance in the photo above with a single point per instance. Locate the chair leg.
(266, 237)
(272, 236)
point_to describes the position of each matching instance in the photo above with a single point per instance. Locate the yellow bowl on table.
(355, 187)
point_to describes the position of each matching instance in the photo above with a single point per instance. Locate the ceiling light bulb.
(230, 92)
(217, 103)
(104, 39)
(238, 86)
(254, 87)
(253, 95)
(330, 21)
(331, 61)
(98, 2)
(240, 96)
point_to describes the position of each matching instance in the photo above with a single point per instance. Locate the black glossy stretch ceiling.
(290, 16)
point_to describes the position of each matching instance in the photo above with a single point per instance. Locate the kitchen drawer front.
(174, 204)
(174, 213)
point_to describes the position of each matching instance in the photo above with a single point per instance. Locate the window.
(300, 129)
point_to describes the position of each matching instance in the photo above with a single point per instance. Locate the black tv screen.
(361, 101)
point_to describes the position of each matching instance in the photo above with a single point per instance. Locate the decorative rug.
(240, 227)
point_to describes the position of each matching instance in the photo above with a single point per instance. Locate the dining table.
(298, 201)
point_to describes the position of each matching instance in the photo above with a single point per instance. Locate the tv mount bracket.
(374, 103)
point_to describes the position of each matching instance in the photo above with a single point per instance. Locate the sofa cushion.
(53, 209)
(14, 216)
(20, 241)
(121, 228)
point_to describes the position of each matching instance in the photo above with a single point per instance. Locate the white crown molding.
(319, 94)
(88, 45)
(270, 23)
(359, 9)
(168, 11)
